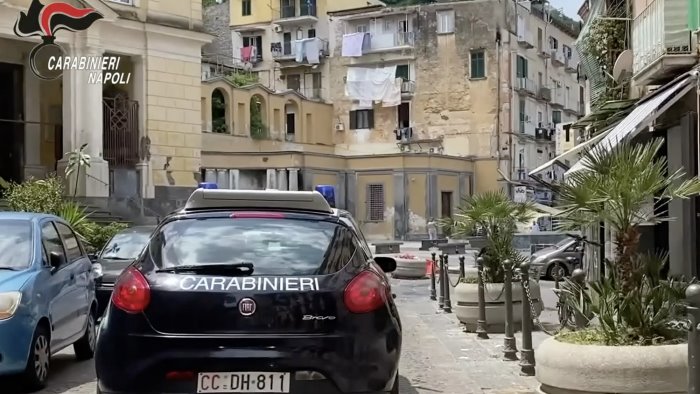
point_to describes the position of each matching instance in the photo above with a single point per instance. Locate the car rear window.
(274, 246)
(126, 246)
(15, 244)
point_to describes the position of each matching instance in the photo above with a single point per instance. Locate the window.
(16, 243)
(276, 246)
(568, 134)
(402, 72)
(375, 202)
(254, 41)
(478, 64)
(246, 9)
(362, 29)
(70, 241)
(521, 67)
(567, 51)
(126, 245)
(556, 117)
(539, 117)
(311, 33)
(553, 43)
(362, 119)
(445, 21)
(51, 239)
(293, 82)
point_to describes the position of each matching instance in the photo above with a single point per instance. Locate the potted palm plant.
(497, 218)
(632, 312)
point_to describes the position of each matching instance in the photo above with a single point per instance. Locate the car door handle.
(72, 277)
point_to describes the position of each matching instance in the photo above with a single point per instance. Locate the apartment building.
(143, 136)
(548, 94)
(285, 42)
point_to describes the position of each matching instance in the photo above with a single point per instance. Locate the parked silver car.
(566, 252)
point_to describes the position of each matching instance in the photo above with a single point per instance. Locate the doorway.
(11, 126)
(446, 204)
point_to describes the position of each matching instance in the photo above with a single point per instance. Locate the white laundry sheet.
(353, 44)
(308, 49)
(373, 84)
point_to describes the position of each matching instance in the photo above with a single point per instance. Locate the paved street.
(437, 356)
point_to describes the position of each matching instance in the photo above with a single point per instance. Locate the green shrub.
(36, 195)
(96, 236)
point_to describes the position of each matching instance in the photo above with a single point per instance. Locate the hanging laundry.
(312, 51)
(353, 44)
(246, 54)
(299, 50)
(365, 104)
(393, 96)
(371, 84)
(253, 54)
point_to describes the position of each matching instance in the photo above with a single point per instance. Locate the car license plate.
(243, 382)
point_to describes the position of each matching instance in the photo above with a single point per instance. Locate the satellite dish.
(623, 66)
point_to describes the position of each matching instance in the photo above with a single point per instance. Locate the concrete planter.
(466, 304)
(564, 368)
(409, 268)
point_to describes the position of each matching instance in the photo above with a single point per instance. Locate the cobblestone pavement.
(438, 357)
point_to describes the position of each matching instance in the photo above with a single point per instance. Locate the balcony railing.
(292, 11)
(661, 29)
(385, 41)
(558, 99)
(408, 86)
(526, 85)
(527, 127)
(557, 58)
(288, 49)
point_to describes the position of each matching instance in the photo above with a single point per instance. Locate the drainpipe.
(498, 99)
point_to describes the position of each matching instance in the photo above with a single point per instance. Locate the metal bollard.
(527, 354)
(462, 271)
(446, 276)
(441, 291)
(481, 323)
(433, 296)
(579, 277)
(510, 349)
(692, 296)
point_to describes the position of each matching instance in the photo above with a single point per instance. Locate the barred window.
(375, 203)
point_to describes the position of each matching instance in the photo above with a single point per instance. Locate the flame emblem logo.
(44, 21)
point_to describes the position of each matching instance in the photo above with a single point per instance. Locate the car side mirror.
(56, 260)
(387, 264)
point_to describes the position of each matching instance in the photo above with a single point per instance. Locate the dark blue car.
(252, 292)
(47, 295)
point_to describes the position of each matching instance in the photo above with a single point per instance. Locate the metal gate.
(121, 144)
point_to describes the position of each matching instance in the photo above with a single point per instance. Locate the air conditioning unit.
(277, 28)
(339, 127)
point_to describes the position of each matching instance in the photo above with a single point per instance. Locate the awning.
(648, 109)
(569, 155)
(546, 209)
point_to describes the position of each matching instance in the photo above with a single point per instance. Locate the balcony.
(544, 94)
(526, 86)
(662, 42)
(286, 51)
(571, 63)
(557, 58)
(526, 127)
(408, 88)
(558, 100)
(384, 42)
(524, 34)
(291, 15)
(572, 108)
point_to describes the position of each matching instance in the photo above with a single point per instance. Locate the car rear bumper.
(350, 364)
(16, 336)
(103, 295)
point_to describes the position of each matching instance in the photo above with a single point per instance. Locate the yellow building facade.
(143, 136)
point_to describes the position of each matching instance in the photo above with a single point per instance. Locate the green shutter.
(353, 120)
(693, 15)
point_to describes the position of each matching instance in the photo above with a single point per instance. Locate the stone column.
(293, 178)
(32, 131)
(282, 179)
(210, 176)
(83, 124)
(139, 82)
(222, 179)
(271, 182)
(233, 176)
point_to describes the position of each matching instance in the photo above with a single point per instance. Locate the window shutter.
(370, 118)
(353, 120)
(368, 202)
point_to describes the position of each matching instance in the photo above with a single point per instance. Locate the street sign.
(520, 194)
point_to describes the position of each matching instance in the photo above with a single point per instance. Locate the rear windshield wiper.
(242, 269)
(119, 258)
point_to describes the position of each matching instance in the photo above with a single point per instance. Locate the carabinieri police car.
(252, 292)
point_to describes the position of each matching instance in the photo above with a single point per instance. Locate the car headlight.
(97, 271)
(9, 302)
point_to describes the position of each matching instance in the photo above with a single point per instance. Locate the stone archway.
(291, 121)
(220, 111)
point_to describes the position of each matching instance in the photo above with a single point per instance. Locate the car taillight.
(131, 292)
(257, 215)
(367, 292)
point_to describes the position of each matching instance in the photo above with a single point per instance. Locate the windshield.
(274, 246)
(564, 243)
(125, 246)
(15, 244)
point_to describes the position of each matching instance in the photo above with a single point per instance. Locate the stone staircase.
(95, 214)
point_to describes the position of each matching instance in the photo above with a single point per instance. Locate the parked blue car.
(47, 295)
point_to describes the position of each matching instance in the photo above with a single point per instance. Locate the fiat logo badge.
(246, 306)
